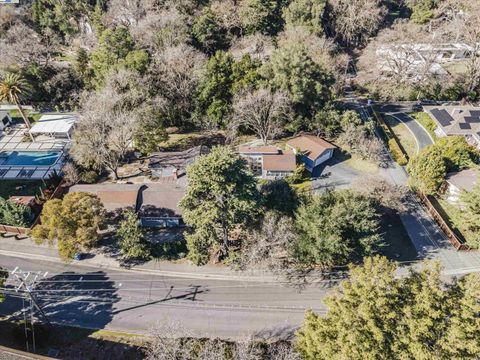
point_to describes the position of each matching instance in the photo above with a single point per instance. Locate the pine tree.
(132, 242)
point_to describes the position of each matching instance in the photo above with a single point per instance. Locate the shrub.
(397, 153)
(89, 177)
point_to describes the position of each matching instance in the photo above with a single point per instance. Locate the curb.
(176, 274)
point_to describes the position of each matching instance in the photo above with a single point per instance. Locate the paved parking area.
(333, 174)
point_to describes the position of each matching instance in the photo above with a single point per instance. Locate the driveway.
(333, 174)
(421, 135)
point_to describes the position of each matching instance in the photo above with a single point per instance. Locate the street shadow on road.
(277, 333)
(69, 299)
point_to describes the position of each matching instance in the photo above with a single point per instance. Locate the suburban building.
(457, 182)
(313, 150)
(457, 120)
(57, 126)
(164, 165)
(155, 203)
(269, 162)
(412, 58)
(114, 197)
(5, 120)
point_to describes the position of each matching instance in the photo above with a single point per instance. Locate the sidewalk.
(27, 249)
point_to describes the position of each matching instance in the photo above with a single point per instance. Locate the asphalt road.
(421, 135)
(132, 302)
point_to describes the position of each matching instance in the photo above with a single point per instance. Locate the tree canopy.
(335, 228)
(221, 195)
(73, 223)
(378, 315)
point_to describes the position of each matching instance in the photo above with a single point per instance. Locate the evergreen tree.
(132, 242)
(221, 195)
(215, 90)
(208, 33)
(336, 227)
(305, 13)
(377, 315)
(263, 16)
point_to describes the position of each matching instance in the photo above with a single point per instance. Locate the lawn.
(403, 134)
(356, 163)
(17, 117)
(20, 188)
(426, 121)
(452, 216)
(397, 244)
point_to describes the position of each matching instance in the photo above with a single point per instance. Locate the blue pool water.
(29, 158)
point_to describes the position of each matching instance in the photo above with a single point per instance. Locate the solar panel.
(464, 126)
(442, 116)
(472, 120)
(475, 113)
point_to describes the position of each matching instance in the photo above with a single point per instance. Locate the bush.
(89, 177)
(14, 214)
(170, 250)
(397, 153)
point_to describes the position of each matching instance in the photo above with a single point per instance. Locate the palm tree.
(12, 88)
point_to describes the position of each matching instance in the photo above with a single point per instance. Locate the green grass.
(426, 121)
(403, 134)
(20, 188)
(32, 116)
(452, 215)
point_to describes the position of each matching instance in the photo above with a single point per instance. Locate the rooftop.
(161, 200)
(456, 120)
(267, 149)
(113, 196)
(280, 162)
(311, 145)
(463, 180)
(178, 160)
(54, 124)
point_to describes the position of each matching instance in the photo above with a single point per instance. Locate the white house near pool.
(58, 126)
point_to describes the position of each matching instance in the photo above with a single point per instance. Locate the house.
(5, 120)
(114, 197)
(269, 162)
(412, 58)
(159, 205)
(457, 182)
(312, 149)
(457, 120)
(58, 126)
(173, 165)
(155, 203)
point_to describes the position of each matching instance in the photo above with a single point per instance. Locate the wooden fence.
(454, 240)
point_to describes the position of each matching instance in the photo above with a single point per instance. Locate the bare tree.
(354, 21)
(104, 132)
(258, 46)
(21, 45)
(168, 342)
(70, 174)
(385, 193)
(227, 14)
(262, 111)
(175, 73)
(360, 141)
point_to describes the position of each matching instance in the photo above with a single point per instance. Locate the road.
(133, 302)
(422, 137)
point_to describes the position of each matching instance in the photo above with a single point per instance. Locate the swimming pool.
(29, 158)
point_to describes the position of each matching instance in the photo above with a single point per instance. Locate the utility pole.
(26, 283)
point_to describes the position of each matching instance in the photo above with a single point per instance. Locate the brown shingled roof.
(112, 196)
(312, 146)
(282, 162)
